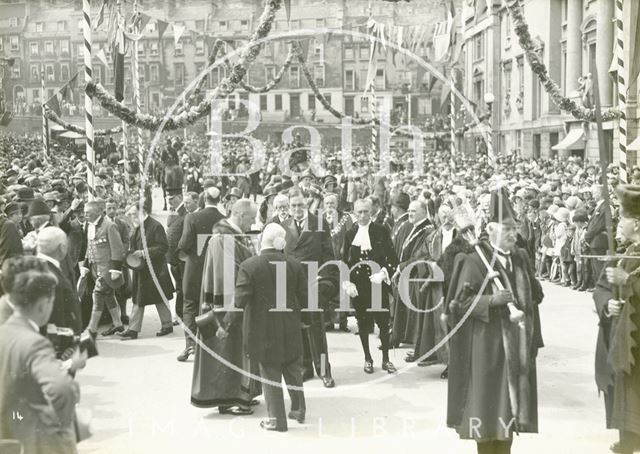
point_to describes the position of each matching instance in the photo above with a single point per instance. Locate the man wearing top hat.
(492, 379)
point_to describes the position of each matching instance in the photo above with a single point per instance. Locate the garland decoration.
(276, 80)
(201, 110)
(195, 94)
(320, 97)
(51, 115)
(538, 67)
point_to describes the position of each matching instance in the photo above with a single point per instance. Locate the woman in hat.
(617, 299)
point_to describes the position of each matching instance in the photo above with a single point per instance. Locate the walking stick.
(515, 314)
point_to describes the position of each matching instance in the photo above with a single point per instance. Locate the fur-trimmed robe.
(492, 363)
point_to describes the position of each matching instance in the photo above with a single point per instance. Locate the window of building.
(48, 47)
(178, 74)
(364, 104)
(318, 75)
(507, 29)
(348, 105)
(478, 92)
(13, 22)
(294, 76)
(519, 139)
(15, 71)
(263, 102)
(278, 99)
(507, 77)
(179, 48)
(320, 23)
(364, 52)
(318, 50)
(244, 24)
(64, 72)
(153, 48)
(269, 73)
(268, 49)
(348, 53)
(64, 47)
(36, 94)
(62, 25)
(478, 46)
(141, 48)
(223, 25)
(199, 47)
(520, 75)
(49, 74)
(14, 42)
(34, 48)
(349, 80)
(35, 73)
(311, 100)
(380, 79)
(295, 24)
(152, 26)
(39, 27)
(154, 73)
(200, 25)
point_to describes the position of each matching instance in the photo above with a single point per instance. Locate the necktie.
(508, 266)
(299, 226)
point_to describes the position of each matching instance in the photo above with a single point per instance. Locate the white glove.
(614, 307)
(379, 277)
(350, 289)
(114, 274)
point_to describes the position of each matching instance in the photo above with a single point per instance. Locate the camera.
(64, 339)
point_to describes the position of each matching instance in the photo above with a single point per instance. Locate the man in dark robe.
(617, 355)
(214, 383)
(492, 389)
(431, 329)
(414, 248)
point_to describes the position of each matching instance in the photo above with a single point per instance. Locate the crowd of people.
(406, 252)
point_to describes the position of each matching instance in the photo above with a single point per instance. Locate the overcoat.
(144, 290)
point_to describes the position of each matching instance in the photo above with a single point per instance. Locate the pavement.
(138, 395)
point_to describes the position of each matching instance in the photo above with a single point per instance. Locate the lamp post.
(489, 100)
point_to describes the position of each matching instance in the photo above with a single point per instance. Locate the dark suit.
(10, 240)
(197, 223)
(144, 289)
(37, 396)
(273, 338)
(66, 305)
(312, 244)
(595, 236)
(175, 227)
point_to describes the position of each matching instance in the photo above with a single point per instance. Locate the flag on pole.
(162, 27)
(144, 20)
(102, 57)
(118, 64)
(178, 30)
(442, 38)
(287, 9)
(54, 105)
(100, 17)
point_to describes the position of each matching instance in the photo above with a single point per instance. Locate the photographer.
(37, 393)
